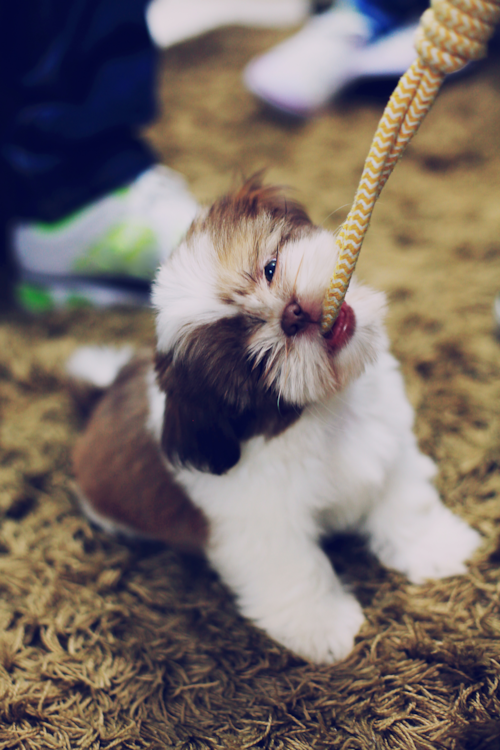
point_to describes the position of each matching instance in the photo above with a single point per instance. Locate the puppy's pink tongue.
(343, 328)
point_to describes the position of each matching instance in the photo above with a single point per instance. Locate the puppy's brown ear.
(197, 436)
(196, 432)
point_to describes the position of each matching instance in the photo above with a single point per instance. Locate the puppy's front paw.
(441, 545)
(321, 631)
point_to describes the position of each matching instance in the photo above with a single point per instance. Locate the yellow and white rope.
(451, 33)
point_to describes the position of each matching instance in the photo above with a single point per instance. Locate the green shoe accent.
(39, 299)
(33, 298)
(127, 249)
(75, 301)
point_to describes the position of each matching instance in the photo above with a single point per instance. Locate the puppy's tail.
(92, 369)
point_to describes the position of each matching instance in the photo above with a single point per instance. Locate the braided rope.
(451, 33)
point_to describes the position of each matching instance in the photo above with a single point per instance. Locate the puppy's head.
(240, 350)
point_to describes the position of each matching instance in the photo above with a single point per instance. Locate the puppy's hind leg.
(411, 530)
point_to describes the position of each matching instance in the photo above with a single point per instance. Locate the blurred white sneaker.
(125, 234)
(173, 21)
(388, 55)
(304, 73)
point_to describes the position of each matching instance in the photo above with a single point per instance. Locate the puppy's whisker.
(286, 366)
(297, 275)
(268, 368)
(332, 213)
(273, 355)
(325, 415)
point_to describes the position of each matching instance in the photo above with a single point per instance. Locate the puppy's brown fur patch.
(216, 398)
(120, 471)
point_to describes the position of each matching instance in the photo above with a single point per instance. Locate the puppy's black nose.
(294, 319)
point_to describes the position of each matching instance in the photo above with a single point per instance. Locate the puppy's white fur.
(350, 461)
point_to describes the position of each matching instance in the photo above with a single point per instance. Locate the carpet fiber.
(104, 645)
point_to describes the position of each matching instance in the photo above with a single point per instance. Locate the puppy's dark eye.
(269, 271)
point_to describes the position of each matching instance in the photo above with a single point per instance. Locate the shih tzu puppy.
(250, 436)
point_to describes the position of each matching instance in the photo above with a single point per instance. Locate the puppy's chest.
(356, 451)
(331, 460)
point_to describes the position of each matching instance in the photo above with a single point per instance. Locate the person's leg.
(82, 77)
(350, 40)
(83, 186)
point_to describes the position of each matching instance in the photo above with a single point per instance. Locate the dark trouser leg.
(390, 13)
(79, 81)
